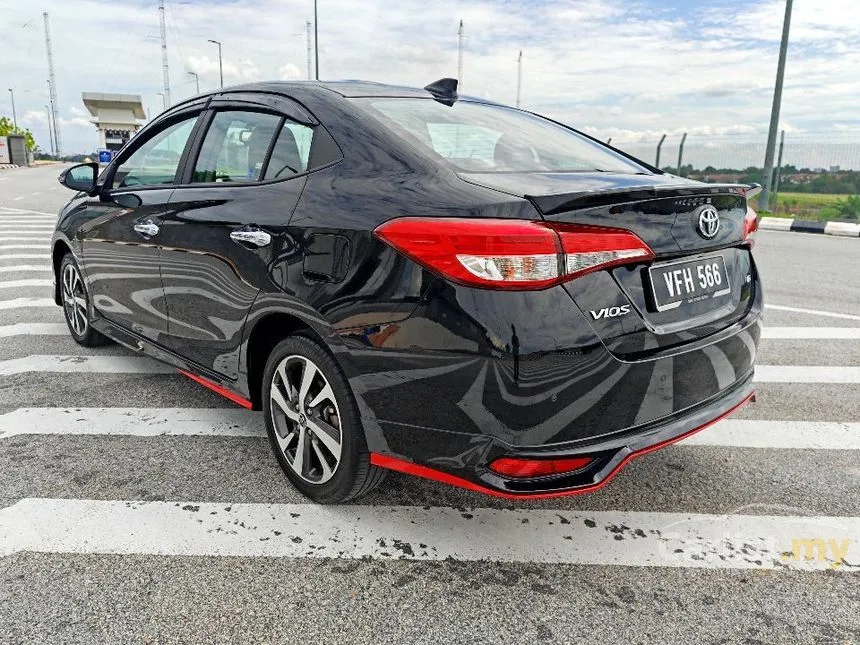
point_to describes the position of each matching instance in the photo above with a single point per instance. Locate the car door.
(119, 245)
(225, 228)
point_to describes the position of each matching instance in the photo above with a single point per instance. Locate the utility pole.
(316, 42)
(681, 152)
(519, 76)
(659, 146)
(52, 87)
(767, 175)
(460, 57)
(53, 120)
(196, 80)
(778, 168)
(163, 101)
(220, 63)
(310, 49)
(164, 54)
(50, 135)
(14, 116)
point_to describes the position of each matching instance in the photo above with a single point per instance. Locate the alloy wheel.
(306, 418)
(74, 299)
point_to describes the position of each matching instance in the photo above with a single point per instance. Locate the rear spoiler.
(552, 204)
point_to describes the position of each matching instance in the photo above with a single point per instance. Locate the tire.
(334, 465)
(76, 304)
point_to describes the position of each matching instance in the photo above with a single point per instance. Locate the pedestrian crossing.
(574, 531)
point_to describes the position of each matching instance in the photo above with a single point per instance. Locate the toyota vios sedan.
(411, 280)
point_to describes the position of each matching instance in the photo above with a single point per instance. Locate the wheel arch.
(58, 252)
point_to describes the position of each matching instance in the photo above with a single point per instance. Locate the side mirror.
(81, 177)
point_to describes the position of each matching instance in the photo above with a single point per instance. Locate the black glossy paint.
(444, 375)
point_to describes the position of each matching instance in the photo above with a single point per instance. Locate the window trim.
(245, 106)
(197, 111)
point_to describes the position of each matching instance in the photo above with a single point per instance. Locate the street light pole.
(196, 80)
(316, 43)
(163, 102)
(220, 63)
(50, 136)
(767, 178)
(14, 116)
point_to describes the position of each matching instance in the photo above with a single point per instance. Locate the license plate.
(689, 281)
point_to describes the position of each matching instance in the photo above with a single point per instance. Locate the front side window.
(155, 162)
(480, 137)
(235, 147)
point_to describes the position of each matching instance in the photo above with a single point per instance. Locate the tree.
(6, 128)
(849, 208)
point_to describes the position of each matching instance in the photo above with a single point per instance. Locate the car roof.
(346, 88)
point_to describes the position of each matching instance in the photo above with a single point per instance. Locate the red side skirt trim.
(417, 470)
(218, 389)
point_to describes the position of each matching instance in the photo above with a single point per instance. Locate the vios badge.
(610, 312)
(709, 222)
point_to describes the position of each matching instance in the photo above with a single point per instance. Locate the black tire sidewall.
(89, 338)
(353, 444)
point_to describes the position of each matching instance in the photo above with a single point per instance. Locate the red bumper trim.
(417, 470)
(218, 389)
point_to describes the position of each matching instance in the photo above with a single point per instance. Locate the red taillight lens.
(513, 467)
(510, 254)
(750, 226)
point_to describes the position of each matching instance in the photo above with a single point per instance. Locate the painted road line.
(46, 239)
(45, 245)
(20, 268)
(6, 209)
(135, 422)
(25, 256)
(231, 422)
(813, 312)
(84, 365)
(811, 333)
(34, 329)
(806, 374)
(635, 539)
(23, 303)
(794, 435)
(27, 282)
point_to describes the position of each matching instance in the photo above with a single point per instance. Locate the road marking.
(15, 199)
(28, 282)
(811, 333)
(22, 303)
(25, 228)
(26, 267)
(46, 246)
(84, 364)
(34, 329)
(135, 422)
(814, 312)
(24, 256)
(806, 374)
(230, 422)
(794, 435)
(401, 533)
(44, 239)
(26, 210)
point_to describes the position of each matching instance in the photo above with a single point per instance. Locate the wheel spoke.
(283, 404)
(325, 394)
(309, 371)
(286, 441)
(328, 436)
(326, 469)
(299, 460)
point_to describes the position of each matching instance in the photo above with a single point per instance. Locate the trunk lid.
(642, 309)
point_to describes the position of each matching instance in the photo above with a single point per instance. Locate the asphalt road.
(140, 508)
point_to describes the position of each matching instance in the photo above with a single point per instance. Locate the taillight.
(750, 226)
(510, 254)
(516, 467)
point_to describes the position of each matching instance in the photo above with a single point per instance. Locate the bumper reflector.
(513, 467)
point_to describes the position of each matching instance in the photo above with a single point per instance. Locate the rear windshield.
(477, 137)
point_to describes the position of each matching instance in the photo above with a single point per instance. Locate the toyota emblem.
(709, 222)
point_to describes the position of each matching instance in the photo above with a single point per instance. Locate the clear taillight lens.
(510, 254)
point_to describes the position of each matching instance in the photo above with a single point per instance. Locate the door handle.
(147, 228)
(252, 237)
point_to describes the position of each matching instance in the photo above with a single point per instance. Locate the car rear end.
(620, 316)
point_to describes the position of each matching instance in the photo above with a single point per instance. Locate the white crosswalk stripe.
(811, 333)
(27, 282)
(43, 245)
(30, 268)
(33, 329)
(84, 365)
(397, 533)
(806, 374)
(23, 303)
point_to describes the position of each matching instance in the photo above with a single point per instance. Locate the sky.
(627, 69)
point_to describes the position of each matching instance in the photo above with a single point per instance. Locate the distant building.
(116, 117)
(835, 168)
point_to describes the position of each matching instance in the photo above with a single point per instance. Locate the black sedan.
(407, 279)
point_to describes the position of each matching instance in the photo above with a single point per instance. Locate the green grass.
(812, 206)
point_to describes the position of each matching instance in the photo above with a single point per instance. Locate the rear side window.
(235, 147)
(292, 151)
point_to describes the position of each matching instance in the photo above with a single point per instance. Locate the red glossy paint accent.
(218, 389)
(409, 468)
(750, 226)
(516, 467)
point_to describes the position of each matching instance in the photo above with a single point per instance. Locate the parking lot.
(136, 506)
